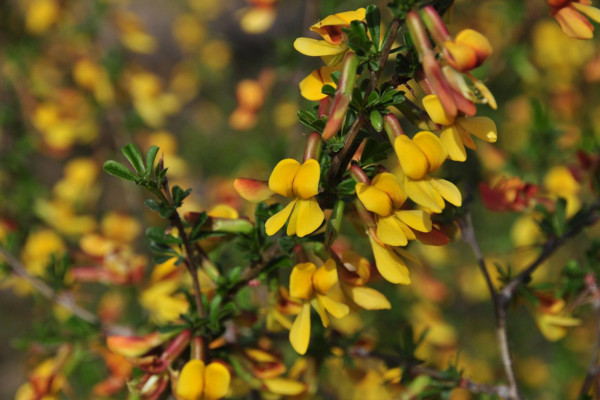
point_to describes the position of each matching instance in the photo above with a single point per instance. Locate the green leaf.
(153, 205)
(133, 155)
(376, 120)
(150, 157)
(328, 90)
(357, 38)
(373, 18)
(119, 170)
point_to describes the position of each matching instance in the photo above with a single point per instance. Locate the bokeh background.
(214, 83)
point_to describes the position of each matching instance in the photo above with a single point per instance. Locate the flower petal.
(310, 217)
(325, 277)
(453, 143)
(374, 199)
(284, 386)
(482, 127)
(416, 219)
(390, 232)
(293, 221)
(282, 177)
(190, 384)
(306, 181)
(389, 264)
(412, 159)
(216, 381)
(301, 286)
(447, 190)
(368, 298)
(310, 87)
(277, 221)
(335, 308)
(300, 332)
(590, 11)
(423, 194)
(313, 47)
(391, 185)
(433, 149)
(436, 112)
(252, 190)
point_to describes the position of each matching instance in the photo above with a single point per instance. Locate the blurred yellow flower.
(198, 381)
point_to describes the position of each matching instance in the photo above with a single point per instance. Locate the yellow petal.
(423, 194)
(190, 384)
(574, 24)
(318, 305)
(282, 177)
(300, 332)
(256, 20)
(590, 11)
(310, 87)
(389, 264)
(276, 222)
(284, 386)
(306, 181)
(390, 232)
(293, 221)
(476, 41)
(482, 127)
(390, 184)
(216, 381)
(374, 199)
(416, 219)
(433, 149)
(451, 140)
(412, 160)
(350, 16)
(462, 57)
(301, 286)
(465, 137)
(335, 308)
(313, 48)
(447, 190)
(436, 112)
(325, 277)
(369, 299)
(310, 217)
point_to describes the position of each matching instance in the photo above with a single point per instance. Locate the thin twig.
(594, 368)
(190, 261)
(500, 308)
(64, 299)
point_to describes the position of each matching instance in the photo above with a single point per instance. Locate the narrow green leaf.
(119, 170)
(373, 18)
(133, 155)
(150, 157)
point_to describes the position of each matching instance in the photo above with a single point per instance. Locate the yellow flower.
(354, 274)
(311, 86)
(384, 197)
(320, 288)
(198, 381)
(572, 16)
(559, 181)
(389, 263)
(552, 319)
(419, 156)
(41, 15)
(455, 131)
(300, 182)
(468, 50)
(333, 47)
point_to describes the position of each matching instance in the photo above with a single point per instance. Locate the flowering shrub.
(366, 218)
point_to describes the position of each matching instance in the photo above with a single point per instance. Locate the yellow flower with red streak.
(331, 49)
(552, 318)
(455, 134)
(384, 197)
(468, 50)
(320, 288)
(198, 381)
(301, 183)
(354, 274)
(420, 156)
(572, 16)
